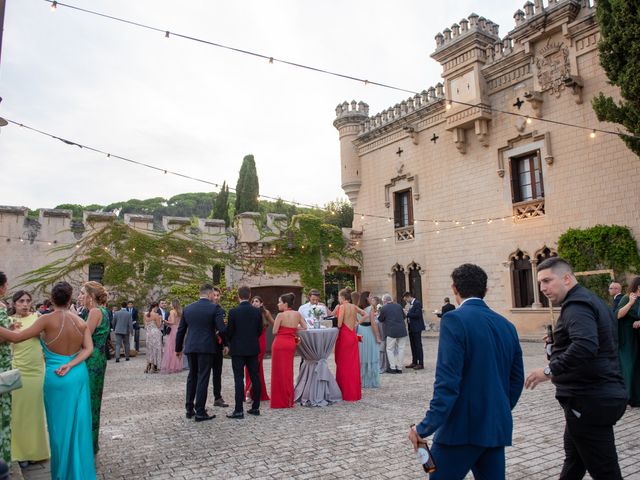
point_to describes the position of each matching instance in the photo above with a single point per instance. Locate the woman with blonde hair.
(93, 297)
(170, 362)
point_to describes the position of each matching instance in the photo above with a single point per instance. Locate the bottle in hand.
(424, 457)
(549, 341)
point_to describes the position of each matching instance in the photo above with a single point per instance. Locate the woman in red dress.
(285, 328)
(347, 352)
(267, 321)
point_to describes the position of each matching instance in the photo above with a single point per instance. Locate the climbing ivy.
(138, 265)
(599, 248)
(305, 247)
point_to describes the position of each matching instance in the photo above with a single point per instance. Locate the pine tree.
(247, 188)
(619, 48)
(221, 205)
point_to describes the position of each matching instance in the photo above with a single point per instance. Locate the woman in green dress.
(94, 298)
(628, 314)
(5, 364)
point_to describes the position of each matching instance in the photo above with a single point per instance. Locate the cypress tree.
(247, 188)
(221, 205)
(619, 48)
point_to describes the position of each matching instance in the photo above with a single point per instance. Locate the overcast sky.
(197, 109)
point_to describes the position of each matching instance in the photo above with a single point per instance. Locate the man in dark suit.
(164, 313)
(447, 307)
(479, 379)
(136, 326)
(218, 358)
(415, 322)
(615, 290)
(202, 320)
(244, 328)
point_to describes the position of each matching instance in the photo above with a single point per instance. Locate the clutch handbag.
(10, 380)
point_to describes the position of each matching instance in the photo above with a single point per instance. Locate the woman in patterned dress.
(94, 297)
(152, 322)
(5, 364)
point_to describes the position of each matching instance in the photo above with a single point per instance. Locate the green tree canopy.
(339, 213)
(221, 205)
(247, 188)
(619, 48)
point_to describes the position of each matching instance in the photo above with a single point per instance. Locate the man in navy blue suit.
(416, 326)
(479, 379)
(202, 320)
(244, 328)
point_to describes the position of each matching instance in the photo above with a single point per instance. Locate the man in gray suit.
(395, 329)
(123, 327)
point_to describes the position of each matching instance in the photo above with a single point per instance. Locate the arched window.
(521, 279)
(415, 281)
(216, 273)
(399, 281)
(542, 255)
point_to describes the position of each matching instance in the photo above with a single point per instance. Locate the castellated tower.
(349, 120)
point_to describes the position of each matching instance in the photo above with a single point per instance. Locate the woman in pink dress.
(170, 362)
(347, 353)
(283, 349)
(267, 321)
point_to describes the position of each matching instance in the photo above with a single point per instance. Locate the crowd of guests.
(627, 310)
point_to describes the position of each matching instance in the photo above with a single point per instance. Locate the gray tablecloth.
(316, 385)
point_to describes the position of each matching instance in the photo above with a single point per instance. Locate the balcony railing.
(528, 209)
(405, 233)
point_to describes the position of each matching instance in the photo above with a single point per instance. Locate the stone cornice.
(508, 70)
(473, 40)
(547, 22)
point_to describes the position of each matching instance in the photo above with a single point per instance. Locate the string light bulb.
(48, 243)
(362, 217)
(529, 121)
(592, 134)
(54, 6)
(448, 105)
(166, 35)
(270, 60)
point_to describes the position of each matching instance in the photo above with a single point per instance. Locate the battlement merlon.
(470, 34)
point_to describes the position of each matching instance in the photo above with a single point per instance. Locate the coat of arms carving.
(553, 67)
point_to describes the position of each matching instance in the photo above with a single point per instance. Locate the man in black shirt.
(585, 369)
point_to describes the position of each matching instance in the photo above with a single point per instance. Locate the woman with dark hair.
(94, 298)
(285, 327)
(66, 341)
(346, 354)
(170, 362)
(369, 346)
(267, 321)
(152, 322)
(29, 440)
(5, 364)
(628, 314)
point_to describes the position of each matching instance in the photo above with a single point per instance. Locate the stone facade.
(484, 185)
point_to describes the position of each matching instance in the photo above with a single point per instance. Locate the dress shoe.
(419, 367)
(126, 359)
(117, 361)
(389, 370)
(205, 417)
(254, 411)
(190, 414)
(220, 403)
(398, 370)
(411, 365)
(236, 415)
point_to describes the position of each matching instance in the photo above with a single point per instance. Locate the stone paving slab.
(145, 435)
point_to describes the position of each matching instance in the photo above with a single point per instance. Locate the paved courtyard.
(145, 434)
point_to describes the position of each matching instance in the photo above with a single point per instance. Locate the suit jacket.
(414, 317)
(122, 322)
(134, 317)
(392, 315)
(447, 307)
(244, 328)
(479, 378)
(616, 301)
(202, 319)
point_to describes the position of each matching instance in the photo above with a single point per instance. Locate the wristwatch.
(547, 371)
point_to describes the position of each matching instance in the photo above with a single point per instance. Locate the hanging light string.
(272, 59)
(148, 165)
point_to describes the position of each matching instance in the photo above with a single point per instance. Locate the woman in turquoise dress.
(628, 314)
(66, 342)
(5, 364)
(94, 298)
(369, 346)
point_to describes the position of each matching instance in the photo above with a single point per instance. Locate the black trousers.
(136, 339)
(238, 363)
(198, 381)
(415, 340)
(589, 443)
(216, 374)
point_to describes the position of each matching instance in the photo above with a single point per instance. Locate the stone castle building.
(470, 171)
